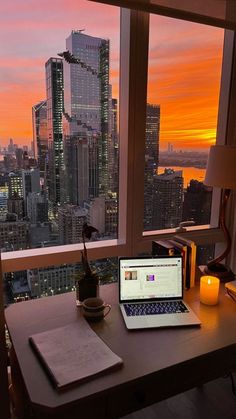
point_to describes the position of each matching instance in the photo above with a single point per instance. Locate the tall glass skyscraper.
(55, 99)
(86, 98)
(39, 119)
(151, 161)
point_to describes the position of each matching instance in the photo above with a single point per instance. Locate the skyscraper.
(3, 199)
(81, 161)
(151, 161)
(15, 185)
(87, 92)
(113, 150)
(168, 199)
(152, 134)
(37, 208)
(55, 98)
(30, 182)
(19, 158)
(197, 207)
(71, 219)
(197, 203)
(39, 119)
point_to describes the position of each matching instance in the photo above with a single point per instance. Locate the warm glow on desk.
(209, 290)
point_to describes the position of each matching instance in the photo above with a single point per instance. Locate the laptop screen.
(154, 278)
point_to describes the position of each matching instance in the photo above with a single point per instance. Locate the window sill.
(57, 255)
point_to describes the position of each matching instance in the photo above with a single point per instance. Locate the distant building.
(81, 161)
(40, 235)
(14, 235)
(151, 161)
(15, 205)
(9, 163)
(20, 184)
(11, 146)
(30, 184)
(3, 198)
(197, 203)
(70, 221)
(49, 281)
(40, 139)
(113, 149)
(168, 199)
(197, 207)
(26, 160)
(87, 93)
(55, 104)
(19, 287)
(19, 158)
(37, 208)
(111, 217)
(96, 213)
(103, 214)
(15, 185)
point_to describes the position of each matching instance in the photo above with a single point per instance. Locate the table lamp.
(221, 172)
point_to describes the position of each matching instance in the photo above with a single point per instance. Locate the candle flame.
(209, 282)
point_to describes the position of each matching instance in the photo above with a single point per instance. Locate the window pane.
(59, 134)
(53, 280)
(184, 73)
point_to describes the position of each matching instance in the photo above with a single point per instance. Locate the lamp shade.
(221, 167)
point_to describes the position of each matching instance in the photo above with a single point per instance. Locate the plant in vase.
(87, 281)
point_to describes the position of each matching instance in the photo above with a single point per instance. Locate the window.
(184, 70)
(69, 175)
(132, 117)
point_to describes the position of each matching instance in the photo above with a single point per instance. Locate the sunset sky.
(184, 66)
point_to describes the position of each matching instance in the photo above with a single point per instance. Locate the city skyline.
(47, 197)
(178, 71)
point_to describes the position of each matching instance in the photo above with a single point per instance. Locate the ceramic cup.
(94, 309)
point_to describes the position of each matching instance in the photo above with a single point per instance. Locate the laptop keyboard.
(160, 307)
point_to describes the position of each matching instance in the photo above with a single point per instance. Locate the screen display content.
(148, 278)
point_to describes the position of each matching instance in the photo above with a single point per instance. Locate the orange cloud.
(184, 78)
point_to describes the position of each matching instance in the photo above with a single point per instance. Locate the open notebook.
(151, 293)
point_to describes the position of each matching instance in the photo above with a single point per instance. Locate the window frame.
(133, 91)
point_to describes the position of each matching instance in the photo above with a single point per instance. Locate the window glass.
(52, 280)
(59, 131)
(184, 71)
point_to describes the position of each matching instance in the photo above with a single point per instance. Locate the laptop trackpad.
(163, 320)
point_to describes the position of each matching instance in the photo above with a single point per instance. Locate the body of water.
(189, 173)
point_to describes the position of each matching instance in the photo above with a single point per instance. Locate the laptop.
(151, 293)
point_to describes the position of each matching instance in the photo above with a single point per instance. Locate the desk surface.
(158, 363)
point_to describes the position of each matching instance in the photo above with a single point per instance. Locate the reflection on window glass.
(53, 280)
(184, 73)
(59, 130)
(205, 253)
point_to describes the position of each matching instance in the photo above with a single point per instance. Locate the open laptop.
(151, 293)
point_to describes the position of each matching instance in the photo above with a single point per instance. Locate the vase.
(86, 289)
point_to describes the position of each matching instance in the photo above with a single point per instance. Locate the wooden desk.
(157, 363)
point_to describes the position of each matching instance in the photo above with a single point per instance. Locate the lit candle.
(209, 290)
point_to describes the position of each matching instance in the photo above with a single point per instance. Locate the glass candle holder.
(209, 290)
